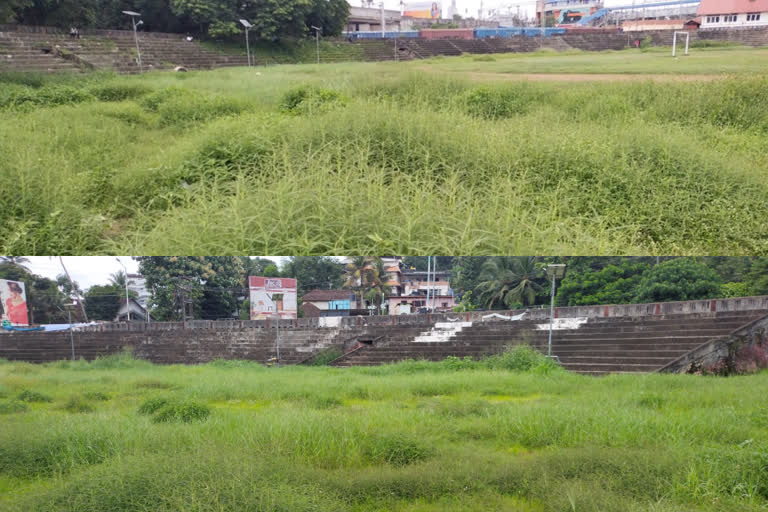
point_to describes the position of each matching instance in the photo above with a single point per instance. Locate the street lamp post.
(317, 41)
(555, 271)
(133, 16)
(247, 25)
(127, 306)
(71, 334)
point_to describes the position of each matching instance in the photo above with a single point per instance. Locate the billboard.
(572, 15)
(272, 294)
(13, 303)
(425, 10)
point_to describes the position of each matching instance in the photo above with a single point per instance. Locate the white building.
(733, 13)
(138, 285)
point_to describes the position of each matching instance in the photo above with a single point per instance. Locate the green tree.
(313, 272)
(757, 276)
(613, 284)
(360, 274)
(203, 12)
(273, 19)
(508, 280)
(678, 279)
(212, 283)
(102, 302)
(330, 15)
(271, 270)
(465, 273)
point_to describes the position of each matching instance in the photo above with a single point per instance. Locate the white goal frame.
(674, 41)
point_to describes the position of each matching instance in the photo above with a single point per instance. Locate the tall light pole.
(133, 16)
(247, 26)
(127, 306)
(317, 41)
(555, 271)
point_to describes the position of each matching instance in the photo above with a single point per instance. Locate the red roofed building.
(733, 13)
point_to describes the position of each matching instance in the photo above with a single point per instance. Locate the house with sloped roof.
(733, 13)
(316, 303)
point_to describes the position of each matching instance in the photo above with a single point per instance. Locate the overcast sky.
(89, 270)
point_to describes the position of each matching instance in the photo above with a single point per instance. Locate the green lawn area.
(120, 434)
(379, 158)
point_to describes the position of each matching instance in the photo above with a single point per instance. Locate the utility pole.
(429, 263)
(127, 306)
(543, 22)
(383, 28)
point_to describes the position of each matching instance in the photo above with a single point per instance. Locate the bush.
(128, 112)
(33, 396)
(522, 358)
(498, 102)
(118, 91)
(153, 405)
(78, 404)
(397, 450)
(47, 96)
(96, 395)
(223, 30)
(182, 412)
(310, 100)
(197, 108)
(152, 101)
(12, 406)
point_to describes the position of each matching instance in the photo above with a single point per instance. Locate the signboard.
(424, 10)
(13, 303)
(272, 294)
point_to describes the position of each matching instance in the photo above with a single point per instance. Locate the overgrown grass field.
(121, 434)
(377, 158)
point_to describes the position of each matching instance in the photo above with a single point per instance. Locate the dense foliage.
(271, 19)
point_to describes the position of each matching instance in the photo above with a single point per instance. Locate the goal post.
(674, 41)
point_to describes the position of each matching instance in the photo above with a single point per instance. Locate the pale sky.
(90, 270)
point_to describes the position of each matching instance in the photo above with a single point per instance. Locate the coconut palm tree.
(17, 261)
(359, 273)
(117, 279)
(506, 280)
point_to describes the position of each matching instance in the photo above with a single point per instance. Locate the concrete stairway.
(597, 346)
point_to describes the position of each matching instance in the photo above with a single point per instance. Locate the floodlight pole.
(133, 16)
(247, 47)
(317, 41)
(71, 334)
(551, 316)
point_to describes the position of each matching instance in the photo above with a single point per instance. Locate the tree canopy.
(271, 19)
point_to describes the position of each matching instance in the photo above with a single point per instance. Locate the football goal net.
(674, 41)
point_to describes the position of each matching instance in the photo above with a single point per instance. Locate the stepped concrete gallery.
(671, 336)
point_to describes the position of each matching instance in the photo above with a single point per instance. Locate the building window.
(753, 16)
(445, 304)
(713, 19)
(730, 18)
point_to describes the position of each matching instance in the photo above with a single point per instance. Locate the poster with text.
(13, 303)
(272, 296)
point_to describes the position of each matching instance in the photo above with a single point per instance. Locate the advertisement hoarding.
(424, 10)
(272, 294)
(13, 303)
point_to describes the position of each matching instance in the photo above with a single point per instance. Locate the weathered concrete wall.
(721, 351)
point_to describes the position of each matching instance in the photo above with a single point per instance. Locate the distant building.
(329, 303)
(733, 13)
(368, 19)
(133, 312)
(415, 283)
(138, 285)
(412, 304)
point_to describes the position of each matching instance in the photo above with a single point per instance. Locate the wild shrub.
(153, 100)
(78, 404)
(522, 358)
(651, 401)
(96, 395)
(325, 357)
(154, 384)
(118, 91)
(310, 100)
(197, 108)
(494, 102)
(46, 96)
(457, 363)
(185, 412)
(152, 405)
(33, 396)
(396, 449)
(123, 360)
(13, 406)
(128, 112)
